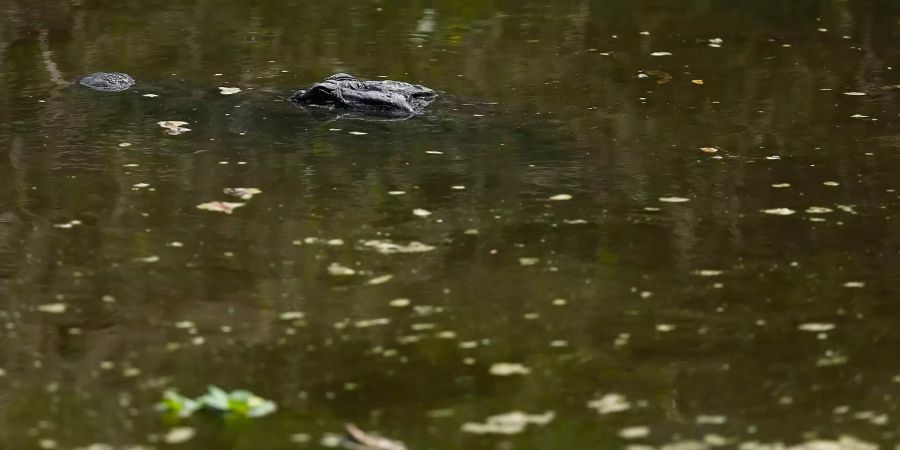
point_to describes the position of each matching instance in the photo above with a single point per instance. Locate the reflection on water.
(696, 249)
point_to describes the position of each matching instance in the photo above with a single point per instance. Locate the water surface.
(698, 247)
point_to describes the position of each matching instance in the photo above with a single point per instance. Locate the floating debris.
(223, 207)
(697, 82)
(634, 432)
(242, 193)
(291, 315)
(855, 284)
(710, 420)
(358, 133)
(67, 225)
(561, 197)
(661, 54)
(228, 90)
(818, 210)
(610, 403)
(419, 212)
(832, 358)
(708, 273)
(831, 183)
(53, 308)
(399, 303)
(381, 321)
(174, 127)
(390, 248)
(178, 435)
(674, 199)
(150, 95)
(510, 423)
(854, 93)
(661, 77)
(380, 280)
(338, 270)
(816, 327)
(505, 369)
(781, 185)
(779, 211)
(529, 261)
(709, 149)
(360, 440)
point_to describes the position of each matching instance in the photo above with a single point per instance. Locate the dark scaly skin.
(107, 81)
(345, 91)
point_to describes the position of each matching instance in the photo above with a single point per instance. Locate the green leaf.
(216, 399)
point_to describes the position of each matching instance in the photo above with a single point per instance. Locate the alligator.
(338, 92)
(343, 91)
(107, 81)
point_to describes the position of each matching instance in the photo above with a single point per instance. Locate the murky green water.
(577, 229)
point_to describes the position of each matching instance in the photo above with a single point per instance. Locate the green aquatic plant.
(235, 404)
(238, 403)
(177, 405)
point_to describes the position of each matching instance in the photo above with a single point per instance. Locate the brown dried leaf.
(661, 77)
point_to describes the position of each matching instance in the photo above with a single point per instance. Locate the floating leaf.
(366, 441)
(390, 248)
(242, 193)
(380, 280)
(224, 207)
(228, 90)
(708, 273)
(510, 423)
(177, 405)
(779, 211)
(53, 308)
(178, 435)
(661, 77)
(697, 82)
(215, 398)
(529, 261)
(68, 224)
(174, 127)
(634, 432)
(338, 270)
(610, 403)
(816, 327)
(505, 369)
